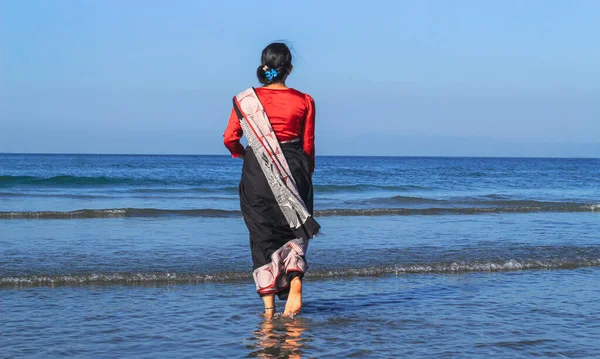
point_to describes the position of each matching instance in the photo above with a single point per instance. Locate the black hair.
(276, 56)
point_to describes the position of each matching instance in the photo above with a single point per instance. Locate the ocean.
(105, 256)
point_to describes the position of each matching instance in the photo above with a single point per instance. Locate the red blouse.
(292, 115)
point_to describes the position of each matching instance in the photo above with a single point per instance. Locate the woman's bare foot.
(294, 303)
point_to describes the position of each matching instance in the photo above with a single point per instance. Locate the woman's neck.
(276, 86)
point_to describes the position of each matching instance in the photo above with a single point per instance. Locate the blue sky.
(158, 76)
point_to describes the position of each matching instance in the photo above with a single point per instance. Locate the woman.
(276, 193)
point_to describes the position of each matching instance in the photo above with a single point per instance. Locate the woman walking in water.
(276, 192)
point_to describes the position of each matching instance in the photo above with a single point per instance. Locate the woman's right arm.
(232, 136)
(308, 138)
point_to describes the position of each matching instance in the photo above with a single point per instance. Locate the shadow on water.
(279, 338)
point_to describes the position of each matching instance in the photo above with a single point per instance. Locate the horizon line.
(227, 155)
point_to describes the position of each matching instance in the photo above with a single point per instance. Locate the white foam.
(594, 207)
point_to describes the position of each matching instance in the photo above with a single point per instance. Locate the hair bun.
(276, 60)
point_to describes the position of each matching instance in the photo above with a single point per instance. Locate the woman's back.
(287, 110)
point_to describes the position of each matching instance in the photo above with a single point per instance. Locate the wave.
(103, 181)
(129, 194)
(229, 189)
(361, 207)
(55, 195)
(366, 187)
(119, 213)
(210, 212)
(149, 278)
(487, 200)
(562, 207)
(400, 200)
(9, 181)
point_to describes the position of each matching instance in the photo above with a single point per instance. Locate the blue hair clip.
(271, 74)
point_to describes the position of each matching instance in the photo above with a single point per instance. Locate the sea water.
(147, 257)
